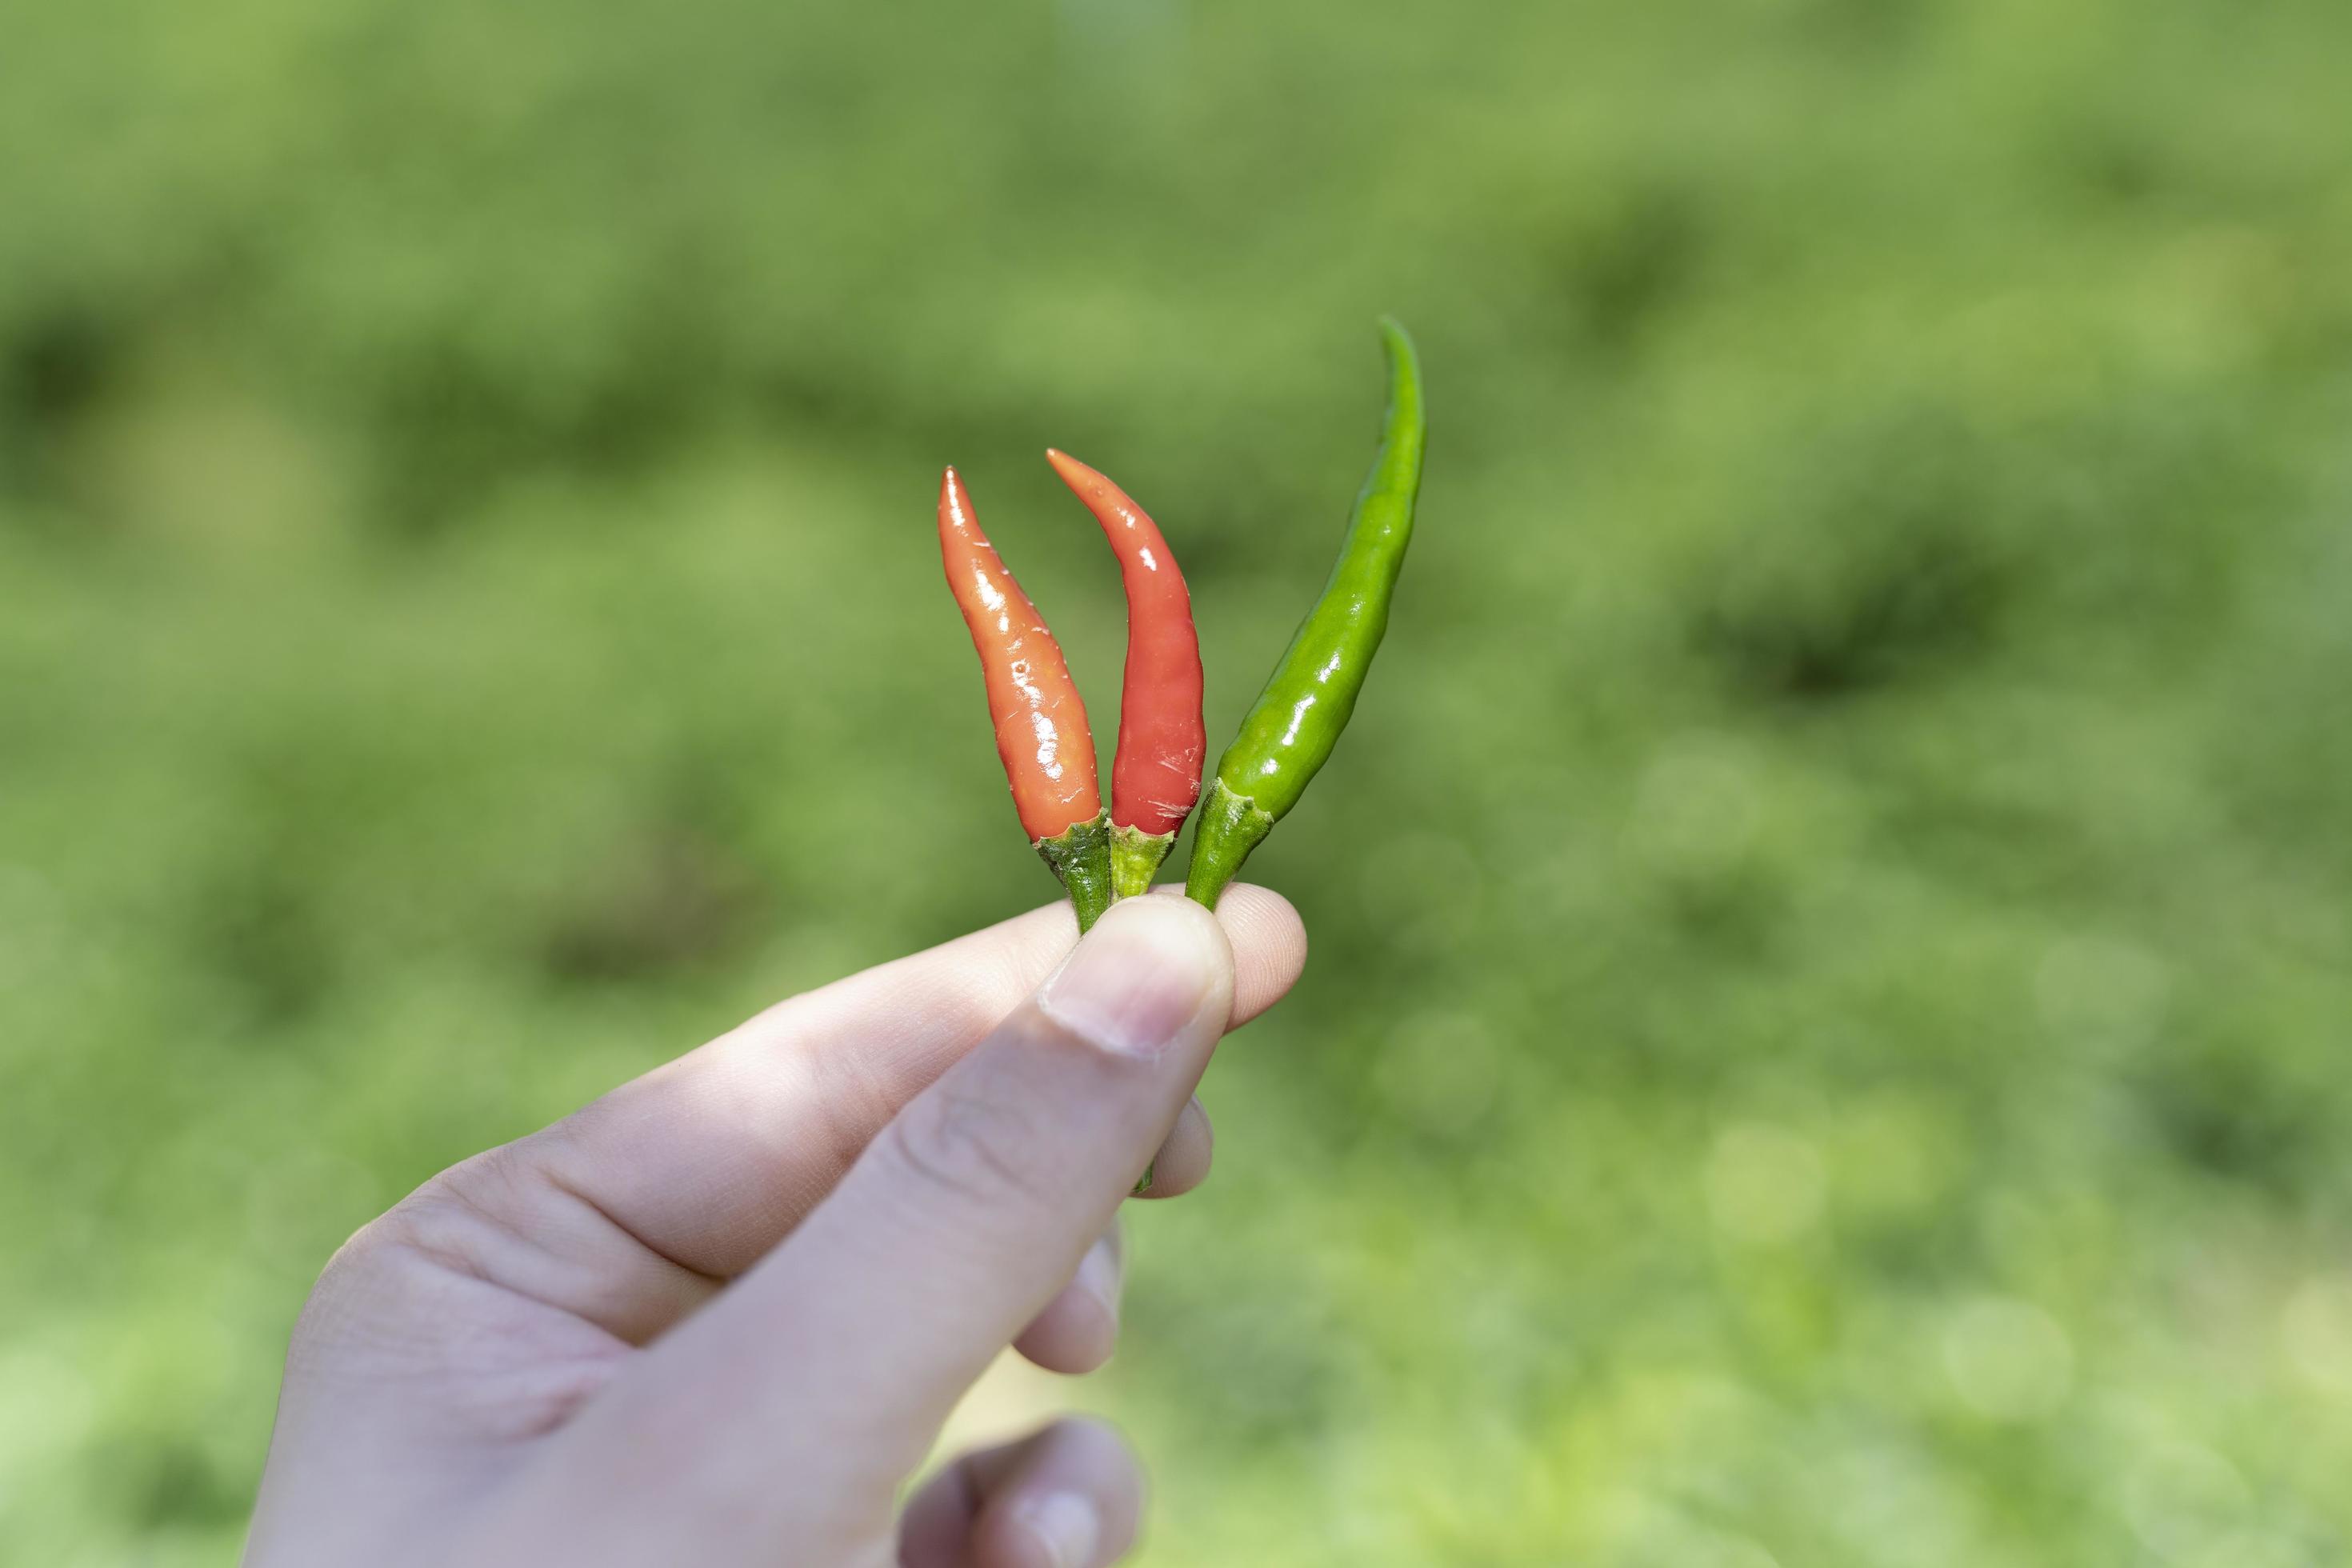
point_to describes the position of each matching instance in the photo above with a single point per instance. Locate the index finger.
(710, 1160)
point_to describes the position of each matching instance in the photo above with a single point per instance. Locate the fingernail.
(1064, 1526)
(1137, 979)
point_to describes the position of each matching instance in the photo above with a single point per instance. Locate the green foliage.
(1842, 1063)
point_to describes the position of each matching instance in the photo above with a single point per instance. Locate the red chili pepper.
(1041, 722)
(1156, 776)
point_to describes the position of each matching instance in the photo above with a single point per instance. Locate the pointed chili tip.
(955, 507)
(1078, 476)
(1398, 341)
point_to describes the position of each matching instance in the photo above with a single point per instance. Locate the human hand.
(719, 1315)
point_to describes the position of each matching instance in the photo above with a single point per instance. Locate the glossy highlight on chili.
(1042, 734)
(1156, 776)
(1289, 733)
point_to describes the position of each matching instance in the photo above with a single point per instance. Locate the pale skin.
(719, 1315)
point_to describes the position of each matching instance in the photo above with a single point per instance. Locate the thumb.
(837, 1358)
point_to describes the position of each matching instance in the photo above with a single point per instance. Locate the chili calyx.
(1042, 734)
(1156, 774)
(1289, 733)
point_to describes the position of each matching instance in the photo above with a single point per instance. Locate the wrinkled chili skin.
(1291, 731)
(1041, 724)
(1156, 776)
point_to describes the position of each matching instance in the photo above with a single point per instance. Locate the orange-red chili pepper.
(1156, 778)
(1041, 733)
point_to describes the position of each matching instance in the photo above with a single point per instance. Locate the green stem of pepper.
(1289, 734)
(1230, 826)
(1135, 858)
(1080, 855)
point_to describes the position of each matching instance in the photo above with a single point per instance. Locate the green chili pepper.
(1299, 716)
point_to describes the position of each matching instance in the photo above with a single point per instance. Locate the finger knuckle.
(454, 1220)
(964, 1143)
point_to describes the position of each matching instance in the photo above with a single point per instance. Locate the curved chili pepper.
(1041, 722)
(1308, 701)
(1156, 776)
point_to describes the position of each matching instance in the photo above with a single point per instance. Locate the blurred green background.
(1826, 1038)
